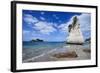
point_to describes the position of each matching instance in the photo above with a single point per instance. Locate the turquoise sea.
(33, 49)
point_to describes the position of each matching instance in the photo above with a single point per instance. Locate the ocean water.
(33, 49)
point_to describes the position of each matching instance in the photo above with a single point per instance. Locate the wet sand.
(67, 51)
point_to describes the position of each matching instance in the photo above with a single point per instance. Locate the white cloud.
(42, 13)
(26, 31)
(84, 20)
(42, 18)
(44, 27)
(30, 19)
(64, 27)
(55, 16)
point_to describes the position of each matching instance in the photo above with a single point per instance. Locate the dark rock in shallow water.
(71, 54)
(88, 40)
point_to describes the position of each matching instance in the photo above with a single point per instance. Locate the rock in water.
(75, 34)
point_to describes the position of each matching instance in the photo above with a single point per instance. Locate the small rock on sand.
(71, 54)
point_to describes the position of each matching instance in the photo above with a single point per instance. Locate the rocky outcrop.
(75, 34)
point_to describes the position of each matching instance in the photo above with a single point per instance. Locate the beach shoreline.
(82, 54)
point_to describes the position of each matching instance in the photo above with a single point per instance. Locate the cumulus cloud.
(26, 32)
(41, 26)
(44, 27)
(30, 19)
(84, 20)
(42, 18)
(64, 27)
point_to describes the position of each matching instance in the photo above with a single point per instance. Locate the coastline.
(82, 54)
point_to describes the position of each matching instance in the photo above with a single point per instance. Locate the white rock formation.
(75, 34)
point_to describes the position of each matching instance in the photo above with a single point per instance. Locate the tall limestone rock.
(75, 34)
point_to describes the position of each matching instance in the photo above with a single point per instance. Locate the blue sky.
(52, 26)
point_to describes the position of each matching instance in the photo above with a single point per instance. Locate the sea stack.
(75, 34)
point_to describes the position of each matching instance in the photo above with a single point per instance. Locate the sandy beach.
(82, 54)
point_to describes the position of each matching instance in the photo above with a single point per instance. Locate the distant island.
(36, 40)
